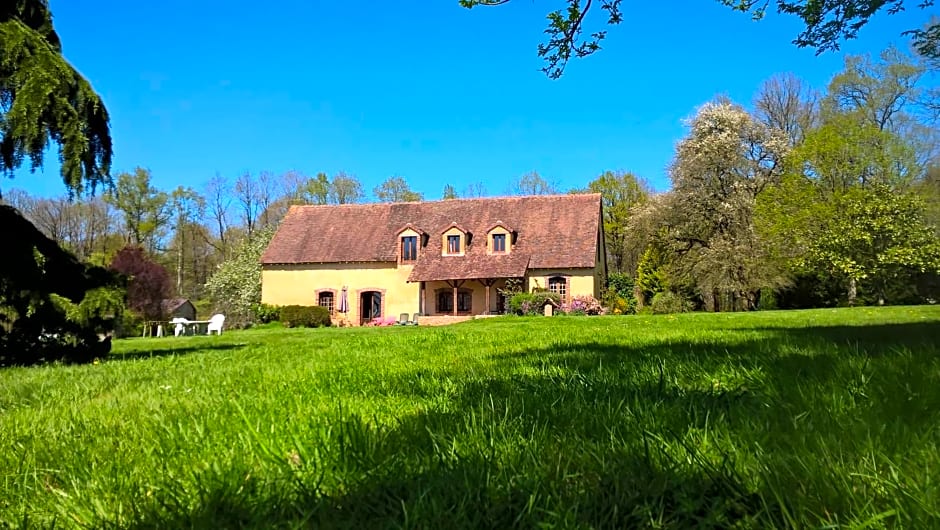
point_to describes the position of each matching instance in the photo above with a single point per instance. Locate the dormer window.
(453, 244)
(499, 239)
(409, 248)
(499, 243)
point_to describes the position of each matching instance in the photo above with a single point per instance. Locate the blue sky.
(423, 89)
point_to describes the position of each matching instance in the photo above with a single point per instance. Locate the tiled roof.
(552, 232)
(474, 265)
(172, 304)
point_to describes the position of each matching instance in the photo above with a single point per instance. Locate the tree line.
(810, 198)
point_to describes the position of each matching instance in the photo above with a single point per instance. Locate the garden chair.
(215, 324)
(179, 327)
(414, 320)
(403, 319)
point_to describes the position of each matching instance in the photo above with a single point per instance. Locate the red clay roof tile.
(553, 231)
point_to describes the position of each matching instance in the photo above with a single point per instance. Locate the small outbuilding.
(179, 308)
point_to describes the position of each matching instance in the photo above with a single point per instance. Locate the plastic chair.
(215, 324)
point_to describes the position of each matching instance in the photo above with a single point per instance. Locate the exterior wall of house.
(580, 281)
(299, 285)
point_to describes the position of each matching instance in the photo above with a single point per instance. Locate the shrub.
(531, 303)
(235, 288)
(618, 297)
(669, 302)
(768, 300)
(302, 316)
(148, 282)
(583, 305)
(267, 313)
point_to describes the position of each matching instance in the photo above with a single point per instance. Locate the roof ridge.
(458, 199)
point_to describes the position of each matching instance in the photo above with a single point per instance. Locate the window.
(453, 244)
(499, 242)
(445, 301)
(559, 286)
(409, 248)
(464, 301)
(325, 299)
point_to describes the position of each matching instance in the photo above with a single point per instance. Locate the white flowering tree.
(719, 169)
(235, 288)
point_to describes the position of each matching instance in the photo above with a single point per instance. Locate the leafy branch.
(565, 30)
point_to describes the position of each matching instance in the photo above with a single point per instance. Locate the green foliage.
(449, 192)
(235, 288)
(669, 302)
(847, 151)
(512, 287)
(496, 423)
(146, 210)
(618, 297)
(532, 303)
(768, 300)
(265, 313)
(564, 32)
(300, 316)
(620, 194)
(876, 234)
(52, 306)
(43, 98)
(651, 275)
(345, 189)
(826, 25)
(395, 189)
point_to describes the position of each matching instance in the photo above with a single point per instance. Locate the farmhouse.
(450, 257)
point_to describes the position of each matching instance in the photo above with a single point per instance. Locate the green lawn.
(775, 419)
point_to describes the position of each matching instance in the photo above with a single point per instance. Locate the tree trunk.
(179, 262)
(853, 291)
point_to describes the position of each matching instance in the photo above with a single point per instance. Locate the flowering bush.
(531, 303)
(583, 305)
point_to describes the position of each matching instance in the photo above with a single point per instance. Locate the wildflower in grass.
(293, 458)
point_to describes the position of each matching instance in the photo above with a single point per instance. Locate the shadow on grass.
(765, 431)
(172, 349)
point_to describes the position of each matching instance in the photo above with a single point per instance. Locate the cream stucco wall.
(580, 281)
(299, 284)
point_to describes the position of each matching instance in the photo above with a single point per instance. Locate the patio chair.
(215, 324)
(414, 319)
(179, 327)
(403, 319)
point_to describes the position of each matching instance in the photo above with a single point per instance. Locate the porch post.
(487, 312)
(455, 298)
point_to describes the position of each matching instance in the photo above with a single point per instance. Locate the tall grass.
(827, 418)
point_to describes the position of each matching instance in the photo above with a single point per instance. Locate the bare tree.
(246, 198)
(788, 103)
(219, 203)
(532, 184)
(474, 190)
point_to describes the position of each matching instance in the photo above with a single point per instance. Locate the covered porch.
(463, 297)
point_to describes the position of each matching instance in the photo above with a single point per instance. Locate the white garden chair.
(215, 324)
(180, 326)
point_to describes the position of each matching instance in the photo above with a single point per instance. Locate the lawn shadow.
(171, 350)
(697, 433)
